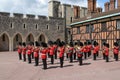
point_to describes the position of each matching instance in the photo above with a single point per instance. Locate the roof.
(97, 16)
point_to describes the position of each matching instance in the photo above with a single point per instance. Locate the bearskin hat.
(107, 45)
(76, 43)
(115, 44)
(89, 43)
(20, 43)
(60, 44)
(104, 44)
(71, 44)
(63, 43)
(43, 44)
(24, 44)
(85, 43)
(50, 42)
(81, 44)
(37, 44)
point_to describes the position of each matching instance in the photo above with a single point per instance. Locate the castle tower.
(112, 4)
(53, 8)
(91, 6)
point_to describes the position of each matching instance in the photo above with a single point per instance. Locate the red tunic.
(43, 53)
(95, 50)
(24, 50)
(89, 48)
(19, 49)
(106, 51)
(29, 50)
(70, 50)
(116, 50)
(98, 48)
(80, 51)
(52, 50)
(61, 52)
(36, 52)
(85, 49)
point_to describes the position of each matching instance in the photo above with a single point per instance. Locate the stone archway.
(41, 38)
(30, 38)
(4, 42)
(16, 40)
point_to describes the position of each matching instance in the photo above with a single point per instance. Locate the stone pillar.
(10, 44)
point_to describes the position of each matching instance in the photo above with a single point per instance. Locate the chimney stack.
(112, 4)
(107, 6)
(99, 10)
(118, 4)
(76, 12)
(91, 6)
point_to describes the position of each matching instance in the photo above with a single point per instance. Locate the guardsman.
(79, 51)
(55, 49)
(116, 51)
(107, 52)
(95, 50)
(36, 53)
(51, 51)
(70, 52)
(61, 50)
(20, 50)
(103, 51)
(44, 51)
(24, 49)
(85, 50)
(29, 51)
(89, 49)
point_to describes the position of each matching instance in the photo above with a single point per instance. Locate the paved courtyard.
(13, 69)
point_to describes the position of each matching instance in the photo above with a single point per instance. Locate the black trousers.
(89, 53)
(97, 54)
(55, 55)
(44, 63)
(71, 58)
(103, 55)
(116, 57)
(94, 56)
(80, 60)
(36, 60)
(74, 56)
(107, 58)
(32, 55)
(67, 55)
(20, 56)
(29, 58)
(61, 61)
(52, 59)
(24, 57)
(85, 55)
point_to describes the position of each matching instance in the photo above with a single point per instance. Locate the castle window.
(36, 26)
(11, 25)
(47, 27)
(24, 26)
(103, 27)
(78, 30)
(58, 28)
(71, 19)
(87, 29)
(3, 37)
(118, 24)
(92, 28)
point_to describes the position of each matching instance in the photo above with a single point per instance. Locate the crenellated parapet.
(5, 14)
(30, 16)
(18, 15)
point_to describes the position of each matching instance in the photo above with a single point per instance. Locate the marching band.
(74, 51)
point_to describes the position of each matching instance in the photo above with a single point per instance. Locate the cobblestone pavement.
(13, 69)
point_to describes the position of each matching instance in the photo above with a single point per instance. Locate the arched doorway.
(16, 40)
(4, 42)
(30, 38)
(41, 38)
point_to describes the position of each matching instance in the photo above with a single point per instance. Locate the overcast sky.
(38, 7)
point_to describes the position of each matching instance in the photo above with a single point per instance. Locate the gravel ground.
(13, 69)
